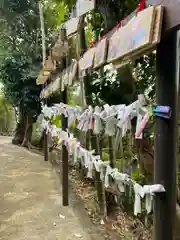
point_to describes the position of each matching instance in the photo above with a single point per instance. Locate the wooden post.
(46, 152)
(64, 122)
(92, 139)
(65, 180)
(112, 157)
(165, 143)
(81, 48)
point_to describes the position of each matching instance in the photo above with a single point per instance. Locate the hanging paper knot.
(120, 178)
(124, 118)
(148, 191)
(108, 115)
(45, 125)
(139, 193)
(71, 117)
(85, 120)
(98, 164)
(97, 120)
(47, 112)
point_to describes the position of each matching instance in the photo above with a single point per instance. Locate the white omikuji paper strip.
(113, 117)
(91, 161)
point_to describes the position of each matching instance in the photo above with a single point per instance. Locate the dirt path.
(30, 199)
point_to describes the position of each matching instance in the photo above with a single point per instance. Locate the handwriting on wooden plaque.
(72, 26)
(42, 77)
(100, 53)
(156, 33)
(86, 62)
(114, 50)
(60, 49)
(140, 30)
(51, 88)
(84, 6)
(156, 37)
(69, 74)
(72, 72)
(135, 35)
(50, 65)
(172, 16)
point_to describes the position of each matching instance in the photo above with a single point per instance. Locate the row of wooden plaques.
(66, 78)
(141, 34)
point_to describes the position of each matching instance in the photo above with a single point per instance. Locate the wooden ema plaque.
(139, 31)
(65, 77)
(49, 65)
(46, 72)
(72, 26)
(84, 6)
(72, 72)
(100, 53)
(59, 50)
(43, 77)
(51, 88)
(113, 50)
(69, 74)
(172, 10)
(135, 35)
(156, 37)
(86, 62)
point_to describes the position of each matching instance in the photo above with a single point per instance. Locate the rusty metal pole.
(166, 135)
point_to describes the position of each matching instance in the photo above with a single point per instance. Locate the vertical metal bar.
(165, 143)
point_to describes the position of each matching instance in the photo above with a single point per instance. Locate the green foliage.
(138, 177)
(56, 121)
(145, 75)
(112, 87)
(19, 80)
(7, 115)
(36, 133)
(55, 13)
(20, 49)
(105, 156)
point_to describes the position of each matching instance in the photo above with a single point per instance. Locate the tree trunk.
(28, 132)
(19, 132)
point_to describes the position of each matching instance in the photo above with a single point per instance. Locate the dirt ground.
(30, 200)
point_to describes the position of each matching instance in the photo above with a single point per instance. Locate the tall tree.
(20, 60)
